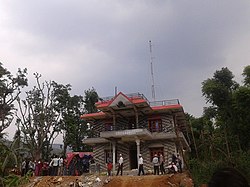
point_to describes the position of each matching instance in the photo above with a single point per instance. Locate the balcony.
(127, 134)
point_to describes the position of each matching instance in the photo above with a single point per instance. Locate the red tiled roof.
(93, 115)
(137, 100)
(154, 108)
(101, 105)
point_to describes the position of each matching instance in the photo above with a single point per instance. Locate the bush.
(202, 170)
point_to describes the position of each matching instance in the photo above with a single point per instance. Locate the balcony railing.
(96, 134)
(165, 102)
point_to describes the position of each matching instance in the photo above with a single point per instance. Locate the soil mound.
(170, 180)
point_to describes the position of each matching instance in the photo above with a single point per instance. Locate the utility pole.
(152, 71)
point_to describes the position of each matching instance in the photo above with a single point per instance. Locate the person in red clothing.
(109, 167)
(45, 168)
(40, 166)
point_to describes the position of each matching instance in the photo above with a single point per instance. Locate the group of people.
(158, 163)
(57, 166)
(42, 168)
(174, 166)
(35, 168)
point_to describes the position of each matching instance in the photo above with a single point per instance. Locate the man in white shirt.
(54, 164)
(140, 163)
(120, 166)
(156, 164)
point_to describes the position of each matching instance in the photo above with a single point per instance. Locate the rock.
(172, 185)
(187, 182)
(106, 181)
(90, 183)
(80, 184)
(149, 172)
(98, 179)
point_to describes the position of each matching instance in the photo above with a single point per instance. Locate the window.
(108, 125)
(155, 125)
(131, 123)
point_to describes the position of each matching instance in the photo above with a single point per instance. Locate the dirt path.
(172, 180)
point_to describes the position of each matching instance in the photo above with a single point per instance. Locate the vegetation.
(10, 89)
(75, 129)
(221, 135)
(45, 111)
(38, 119)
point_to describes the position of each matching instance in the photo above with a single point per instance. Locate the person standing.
(60, 166)
(162, 169)
(36, 168)
(109, 166)
(27, 165)
(54, 163)
(179, 163)
(32, 166)
(155, 162)
(23, 168)
(45, 168)
(140, 163)
(120, 165)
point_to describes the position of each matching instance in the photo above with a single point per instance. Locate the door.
(133, 158)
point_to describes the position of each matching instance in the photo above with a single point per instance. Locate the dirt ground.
(151, 181)
(170, 180)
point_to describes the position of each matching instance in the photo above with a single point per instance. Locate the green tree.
(10, 89)
(222, 133)
(75, 129)
(219, 92)
(241, 105)
(39, 117)
(246, 74)
(90, 98)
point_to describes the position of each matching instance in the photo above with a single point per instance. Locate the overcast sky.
(103, 44)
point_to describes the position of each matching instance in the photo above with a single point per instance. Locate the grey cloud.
(105, 44)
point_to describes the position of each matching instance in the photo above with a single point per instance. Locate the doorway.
(133, 158)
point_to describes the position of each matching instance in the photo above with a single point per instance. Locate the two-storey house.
(131, 125)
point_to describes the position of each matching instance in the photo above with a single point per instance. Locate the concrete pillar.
(137, 141)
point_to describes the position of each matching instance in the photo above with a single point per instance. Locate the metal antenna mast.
(152, 72)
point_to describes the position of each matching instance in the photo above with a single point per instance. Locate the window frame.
(152, 124)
